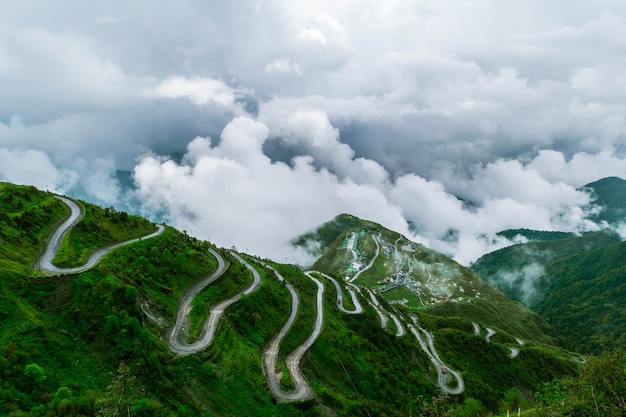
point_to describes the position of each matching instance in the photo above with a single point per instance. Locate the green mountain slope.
(585, 301)
(571, 281)
(410, 275)
(609, 194)
(520, 270)
(98, 341)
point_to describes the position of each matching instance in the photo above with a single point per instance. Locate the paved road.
(270, 355)
(443, 371)
(216, 312)
(369, 265)
(185, 306)
(303, 389)
(358, 309)
(399, 326)
(76, 213)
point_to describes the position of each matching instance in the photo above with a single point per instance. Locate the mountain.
(610, 195)
(410, 275)
(119, 316)
(574, 281)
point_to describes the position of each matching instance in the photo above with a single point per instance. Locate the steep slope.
(576, 284)
(100, 340)
(610, 195)
(410, 275)
(585, 301)
(571, 281)
(520, 270)
(460, 309)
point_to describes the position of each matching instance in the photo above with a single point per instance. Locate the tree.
(438, 406)
(600, 388)
(512, 400)
(118, 397)
(35, 372)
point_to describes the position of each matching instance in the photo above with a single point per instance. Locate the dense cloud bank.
(251, 122)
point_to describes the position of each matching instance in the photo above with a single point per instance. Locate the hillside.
(410, 275)
(520, 270)
(168, 325)
(571, 281)
(610, 195)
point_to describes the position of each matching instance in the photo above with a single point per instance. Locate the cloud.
(583, 168)
(28, 166)
(525, 282)
(402, 112)
(283, 66)
(198, 90)
(236, 195)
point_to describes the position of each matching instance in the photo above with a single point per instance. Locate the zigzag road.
(293, 360)
(185, 307)
(216, 312)
(358, 309)
(76, 213)
(303, 390)
(270, 355)
(443, 371)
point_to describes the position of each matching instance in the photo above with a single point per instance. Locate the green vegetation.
(541, 235)
(576, 283)
(27, 216)
(610, 194)
(596, 390)
(99, 227)
(94, 343)
(586, 297)
(234, 280)
(478, 302)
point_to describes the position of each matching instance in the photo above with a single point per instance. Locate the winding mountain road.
(270, 356)
(215, 313)
(443, 371)
(371, 262)
(303, 389)
(76, 213)
(358, 309)
(185, 307)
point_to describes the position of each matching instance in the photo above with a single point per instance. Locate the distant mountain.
(610, 195)
(169, 325)
(520, 270)
(415, 277)
(568, 280)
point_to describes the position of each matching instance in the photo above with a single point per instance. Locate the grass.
(234, 280)
(78, 329)
(307, 311)
(27, 218)
(99, 228)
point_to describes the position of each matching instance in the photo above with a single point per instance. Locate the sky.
(249, 123)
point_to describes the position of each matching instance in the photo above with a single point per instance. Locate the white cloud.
(28, 166)
(394, 110)
(199, 90)
(581, 169)
(235, 195)
(283, 66)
